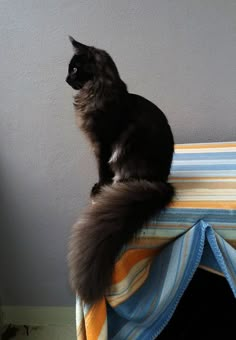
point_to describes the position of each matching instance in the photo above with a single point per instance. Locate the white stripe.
(205, 198)
(103, 333)
(120, 291)
(223, 180)
(179, 253)
(210, 150)
(209, 143)
(205, 161)
(204, 173)
(203, 191)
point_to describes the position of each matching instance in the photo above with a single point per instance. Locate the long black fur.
(133, 144)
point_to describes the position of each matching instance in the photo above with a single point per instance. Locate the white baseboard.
(38, 316)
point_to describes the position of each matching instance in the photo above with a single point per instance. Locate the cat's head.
(90, 64)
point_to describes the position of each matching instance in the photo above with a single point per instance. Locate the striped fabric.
(152, 272)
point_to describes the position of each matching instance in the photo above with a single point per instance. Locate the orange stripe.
(95, 319)
(205, 146)
(128, 260)
(133, 287)
(204, 204)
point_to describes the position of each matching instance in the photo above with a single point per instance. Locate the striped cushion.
(152, 272)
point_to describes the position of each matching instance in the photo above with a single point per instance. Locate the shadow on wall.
(32, 254)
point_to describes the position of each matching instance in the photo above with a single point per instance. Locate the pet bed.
(153, 271)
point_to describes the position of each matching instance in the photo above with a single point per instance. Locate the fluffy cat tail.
(119, 213)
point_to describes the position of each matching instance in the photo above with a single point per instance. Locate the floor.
(38, 333)
(206, 311)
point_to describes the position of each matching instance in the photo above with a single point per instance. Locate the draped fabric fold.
(153, 271)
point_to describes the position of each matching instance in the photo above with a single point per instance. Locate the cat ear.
(78, 47)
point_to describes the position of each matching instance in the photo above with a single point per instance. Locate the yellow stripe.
(104, 331)
(205, 145)
(128, 260)
(95, 319)
(130, 284)
(204, 204)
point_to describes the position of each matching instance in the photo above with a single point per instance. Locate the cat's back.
(144, 109)
(150, 119)
(149, 140)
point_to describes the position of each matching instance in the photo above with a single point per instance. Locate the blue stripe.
(204, 156)
(229, 260)
(199, 167)
(143, 315)
(134, 310)
(230, 218)
(185, 215)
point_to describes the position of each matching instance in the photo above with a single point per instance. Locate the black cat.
(133, 144)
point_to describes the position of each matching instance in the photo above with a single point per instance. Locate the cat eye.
(74, 70)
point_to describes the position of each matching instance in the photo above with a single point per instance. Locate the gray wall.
(180, 54)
